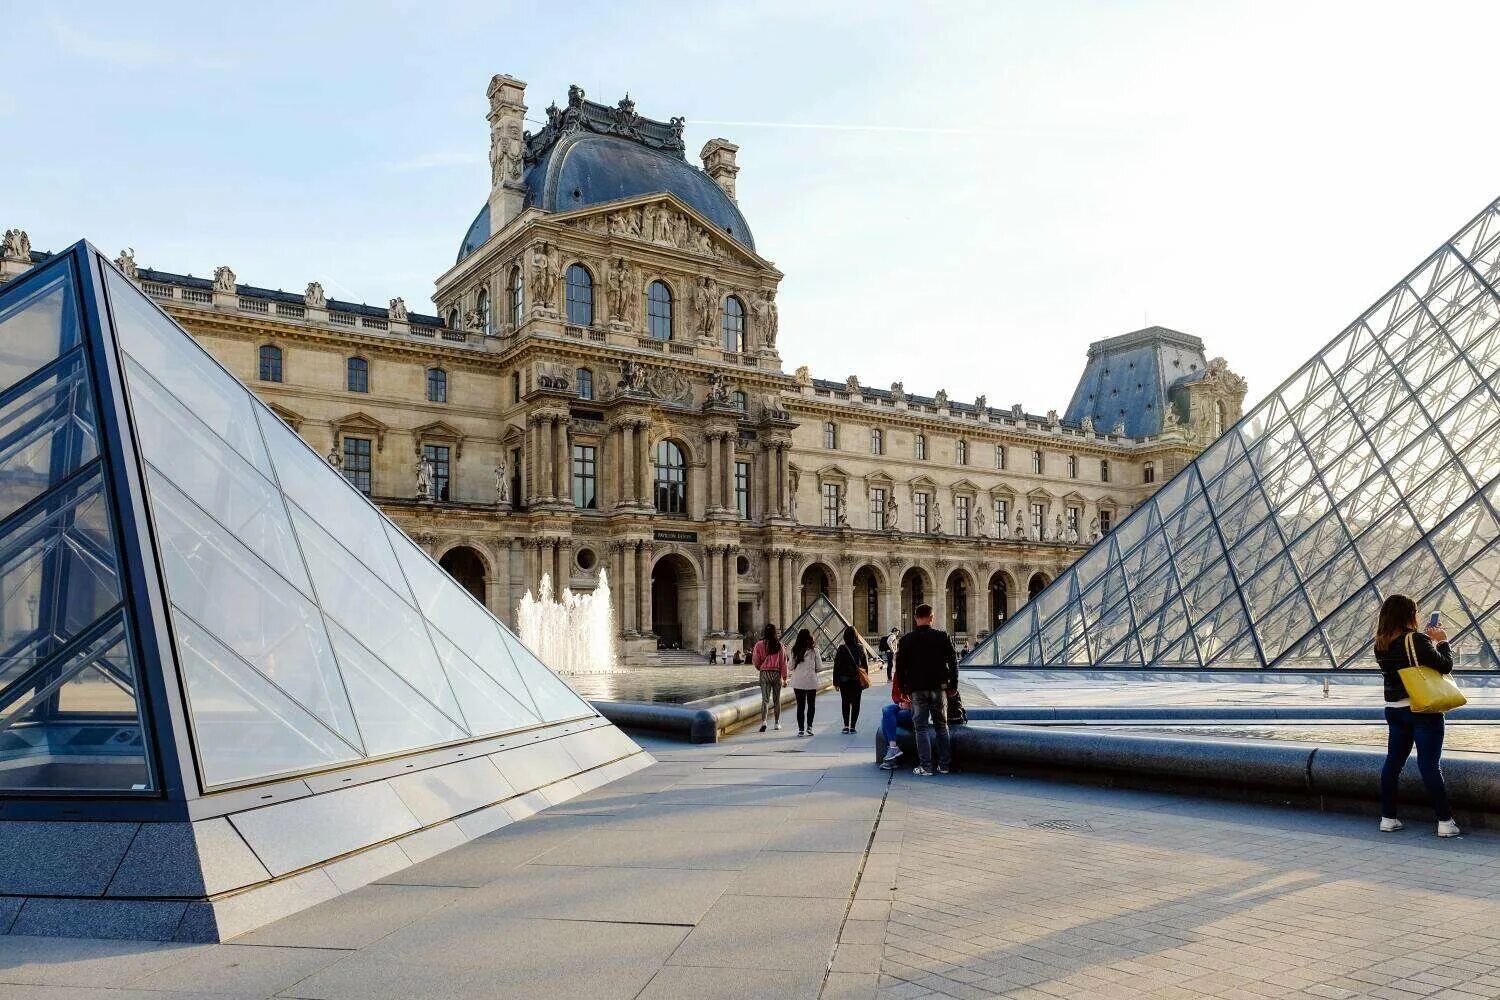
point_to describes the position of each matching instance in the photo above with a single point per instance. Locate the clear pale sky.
(961, 195)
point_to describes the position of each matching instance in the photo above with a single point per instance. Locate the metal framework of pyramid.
(826, 625)
(1374, 469)
(200, 616)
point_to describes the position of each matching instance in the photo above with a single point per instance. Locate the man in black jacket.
(926, 670)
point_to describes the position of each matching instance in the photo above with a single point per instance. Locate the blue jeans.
(929, 710)
(890, 660)
(891, 718)
(1425, 730)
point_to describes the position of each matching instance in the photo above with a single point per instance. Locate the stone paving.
(773, 866)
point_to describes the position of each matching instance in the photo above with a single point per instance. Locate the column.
(533, 565)
(714, 499)
(562, 565)
(780, 476)
(627, 588)
(773, 587)
(791, 592)
(731, 591)
(643, 463)
(726, 472)
(562, 486)
(643, 586)
(533, 459)
(712, 593)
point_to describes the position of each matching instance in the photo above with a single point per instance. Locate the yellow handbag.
(1428, 690)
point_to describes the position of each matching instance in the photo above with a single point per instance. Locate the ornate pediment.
(660, 220)
(922, 482)
(291, 418)
(832, 473)
(965, 486)
(439, 432)
(361, 422)
(1003, 492)
(1040, 494)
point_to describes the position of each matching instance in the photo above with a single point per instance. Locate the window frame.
(578, 295)
(442, 469)
(1148, 473)
(961, 515)
(919, 446)
(921, 506)
(270, 359)
(733, 325)
(437, 385)
(659, 323)
(742, 489)
(517, 294)
(482, 308)
(877, 508)
(1072, 466)
(961, 451)
(584, 476)
(364, 374)
(831, 493)
(877, 441)
(353, 458)
(1103, 470)
(669, 488)
(1038, 462)
(1000, 458)
(583, 383)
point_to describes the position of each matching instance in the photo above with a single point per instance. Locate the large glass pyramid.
(824, 623)
(189, 596)
(1375, 469)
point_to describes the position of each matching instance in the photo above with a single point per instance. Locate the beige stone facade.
(640, 423)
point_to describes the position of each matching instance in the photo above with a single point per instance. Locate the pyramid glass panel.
(823, 621)
(1374, 469)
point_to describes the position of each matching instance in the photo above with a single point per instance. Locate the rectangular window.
(830, 437)
(1038, 521)
(1000, 457)
(877, 441)
(584, 477)
(1106, 517)
(742, 489)
(515, 387)
(357, 463)
(921, 447)
(877, 508)
(437, 454)
(919, 504)
(1073, 515)
(961, 516)
(1103, 470)
(1072, 466)
(1002, 516)
(1036, 462)
(830, 505)
(1148, 474)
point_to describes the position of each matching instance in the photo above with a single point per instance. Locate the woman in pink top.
(770, 663)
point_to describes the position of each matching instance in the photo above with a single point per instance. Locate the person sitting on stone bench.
(892, 717)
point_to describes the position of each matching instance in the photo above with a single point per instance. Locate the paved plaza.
(773, 866)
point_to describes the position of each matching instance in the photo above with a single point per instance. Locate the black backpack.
(956, 714)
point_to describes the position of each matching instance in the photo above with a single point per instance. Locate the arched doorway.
(1036, 585)
(916, 588)
(958, 603)
(867, 600)
(674, 602)
(1000, 589)
(817, 582)
(467, 567)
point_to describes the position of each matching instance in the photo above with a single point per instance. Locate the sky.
(961, 195)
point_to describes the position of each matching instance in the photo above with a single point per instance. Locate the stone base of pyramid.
(236, 862)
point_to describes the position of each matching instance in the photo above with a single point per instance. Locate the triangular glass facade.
(823, 621)
(1375, 469)
(308, 631)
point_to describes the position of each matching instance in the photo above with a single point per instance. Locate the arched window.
(671, 479)
(1036, 462)
(659, 311)
(963, 452)
(1221, 418)
(921, 447)
(482, 307)
(357, 375)
(517, 290)
(453, 319)
(830, 436)
(734, 325)
(270, 363)
(580, 296)
(437, 385)
(1072, 466)
(585, 382)
(741, 401)
(877, 441)
(1148, 473)
(1103, 470)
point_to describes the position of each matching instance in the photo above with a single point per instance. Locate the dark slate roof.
(591, 154)
(277, 295)
(1130, 378)
(870, 392)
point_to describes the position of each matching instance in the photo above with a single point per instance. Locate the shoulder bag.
(1428, 690)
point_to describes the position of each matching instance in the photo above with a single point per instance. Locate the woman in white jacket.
(805, 680)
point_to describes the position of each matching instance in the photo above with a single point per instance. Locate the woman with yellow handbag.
(1415, 666)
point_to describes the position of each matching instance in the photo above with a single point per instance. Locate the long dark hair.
(1398, 616)
(802, 645)
(851, 639)
(771, 638)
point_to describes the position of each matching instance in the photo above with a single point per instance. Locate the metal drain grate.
(1073, 825)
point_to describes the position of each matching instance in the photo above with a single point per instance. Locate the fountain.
(574, 635)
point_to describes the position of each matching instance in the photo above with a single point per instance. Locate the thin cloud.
(849, 128)
(128, 53)
(434, 161)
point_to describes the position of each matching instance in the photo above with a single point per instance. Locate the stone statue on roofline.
(314, 297)
(397, 310)
(1020, 527)
(426, 478)
(224, 280)
(126, 263)
(891, 512)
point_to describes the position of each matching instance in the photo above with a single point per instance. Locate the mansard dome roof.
(592, 154)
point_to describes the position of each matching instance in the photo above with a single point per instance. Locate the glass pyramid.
(823, 621)
(178, 568)
(1374, 469)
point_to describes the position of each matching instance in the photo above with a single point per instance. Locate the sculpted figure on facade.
(981, 403)
(1053, 420)
(892, 513)
(852, 385)
(718, 388)
(16, 245)
(803, 375)
(334, 459)
(898, 392)
(502, 486)
(632, 376)
(942, 398)
(126, 263)
(1119, 428)
(1094, 529)
(544, 270)
(843, 510)
(763, 307)
(224, 280)
(706, 302)
(979, 522)
(791, 493)
(1086, 424)
(426, 478)
(1020, 534)
(1057, 529)
(397, 310)
(619, 291)
(936, 519)
(314, 298)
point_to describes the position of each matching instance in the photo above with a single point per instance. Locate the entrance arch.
(1000, 590)
(467, 567)
(1036, 585)
(867, 598)
(958, 592)
(817, 580)
(674, 602)
(916, 588)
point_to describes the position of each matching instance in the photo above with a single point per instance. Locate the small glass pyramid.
(176, 563)
(823, 621)
(1374, 469)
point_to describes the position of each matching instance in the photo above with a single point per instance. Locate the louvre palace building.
(601, 391)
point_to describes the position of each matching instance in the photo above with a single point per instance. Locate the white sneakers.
(777, 727)
(1445, 828)
(892, 752)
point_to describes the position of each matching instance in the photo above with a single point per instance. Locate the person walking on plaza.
(805, 680)
(888, 651)
(1399, 643)
(770, 662)
(927, 669)
(851, 675)
(892, 717)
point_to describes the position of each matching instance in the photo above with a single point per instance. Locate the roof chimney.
(718, 162)
(507, 110)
